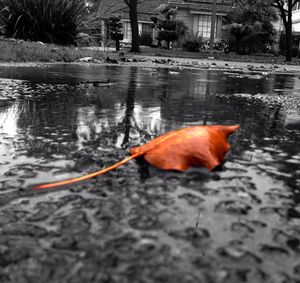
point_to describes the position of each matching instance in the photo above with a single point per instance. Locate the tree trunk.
(168, 44)
(286, 16)
(288, 33)
(135, 44)
(117, 45)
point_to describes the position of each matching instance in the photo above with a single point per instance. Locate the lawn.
(258, 57)
(24, 51)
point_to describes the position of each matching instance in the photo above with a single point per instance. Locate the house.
(296, 18)
(146, 9)
(197, 15)
(296, 24)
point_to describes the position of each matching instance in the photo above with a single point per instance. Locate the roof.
(223, 6)
(145, 8)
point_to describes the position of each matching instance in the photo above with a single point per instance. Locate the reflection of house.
(146, 9)
(196, 15)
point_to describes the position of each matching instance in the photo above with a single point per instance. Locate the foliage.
(146, 39)
(168, 36)
(166, 12)
(54, 21)
(93, 38)
(251, 11)
(115, 31)
(92, 5)
(181, 29)
(221, 46)
(295, 51)
(91, 24)
(166, 26)
(196, 43)
(250, 22)
(193, 43)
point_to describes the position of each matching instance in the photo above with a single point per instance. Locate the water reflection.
(128, 119)
(51, 114)
(52, 128)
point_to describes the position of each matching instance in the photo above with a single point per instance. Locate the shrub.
(83, 39)
(146, 39)
(167, 35)
(181, 29)
(221, 46)
(204, 45)
(192, 43)
(197, 43)
(165, 25)
(54, 21)
(295, 51)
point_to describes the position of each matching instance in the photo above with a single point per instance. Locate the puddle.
(245, 217)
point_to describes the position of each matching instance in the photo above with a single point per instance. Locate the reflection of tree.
(207, 97)
(187, 98)
(129, 106)
(192, 100)
(115, 121)
(282, 83)
(50, 123)
(135, 122)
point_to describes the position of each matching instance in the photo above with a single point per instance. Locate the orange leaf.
(197, 146)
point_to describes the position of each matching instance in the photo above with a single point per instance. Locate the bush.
(192, 43)
(83, 39)
(221, 46)
(146, 39)
(167, 35)
(181, 29)
(295, 51)
(197, 43)
(204, 45)
(53, 21)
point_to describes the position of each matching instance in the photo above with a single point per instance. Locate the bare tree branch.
(279, 5)
(295, 2)
(127, 3)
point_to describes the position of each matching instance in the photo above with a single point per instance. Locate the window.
(296, 6)
(127, 31)
(204, 26)
(146, 28)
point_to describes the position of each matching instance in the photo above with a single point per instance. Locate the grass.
(22, 51)
(27, 51)
(259, 58)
